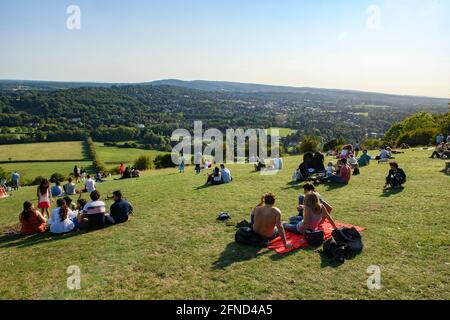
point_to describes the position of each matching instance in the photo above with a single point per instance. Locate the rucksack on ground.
(248, 237)
(314, 238)
(345, 243)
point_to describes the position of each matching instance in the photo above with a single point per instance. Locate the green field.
(113, 156)
(283, 132)
(42, 151)
(30, 170)
(173, 248)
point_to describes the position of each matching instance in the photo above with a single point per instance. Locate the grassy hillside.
(42, 151)
(174, 248)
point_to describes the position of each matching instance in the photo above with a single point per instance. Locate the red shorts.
(44, 205)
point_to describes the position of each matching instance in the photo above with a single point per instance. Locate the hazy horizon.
(400, 47)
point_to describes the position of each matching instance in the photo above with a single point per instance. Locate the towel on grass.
(298, 240)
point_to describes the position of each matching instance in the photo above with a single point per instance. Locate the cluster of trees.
(418, 130)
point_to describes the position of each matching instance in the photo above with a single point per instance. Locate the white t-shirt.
(90, 185)
(58, 226)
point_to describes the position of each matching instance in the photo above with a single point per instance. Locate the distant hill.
(315, 94)
(23, 85)
(365, 97)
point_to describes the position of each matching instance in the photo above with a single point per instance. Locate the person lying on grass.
(396, 177)
(31, 220)
(314, 214)
(441, 151)
(266, 220)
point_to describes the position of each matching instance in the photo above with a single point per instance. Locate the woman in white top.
(62, 218)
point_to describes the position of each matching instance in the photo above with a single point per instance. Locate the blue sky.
(331, 44)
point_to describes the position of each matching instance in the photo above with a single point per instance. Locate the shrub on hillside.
(419, 122)
(333, 144)
(419, 137)
(142, 163)
(2, 173)
(373, 144)
(37, 181)
(57, 177)
(309, 144)
(99, 166)
(163, 161)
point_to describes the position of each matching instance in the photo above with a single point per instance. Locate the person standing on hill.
(357, 148)
(16, 180)
(121, 169)
(76, 174)
(439, 139)
(182, 164)
(198, 160)
(44, 195)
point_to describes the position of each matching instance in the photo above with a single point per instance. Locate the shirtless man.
(265, 217)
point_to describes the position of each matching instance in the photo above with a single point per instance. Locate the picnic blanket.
(298, 241)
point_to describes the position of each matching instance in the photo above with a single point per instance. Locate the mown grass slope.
(113, 156)
(173, 248)
(72, 150)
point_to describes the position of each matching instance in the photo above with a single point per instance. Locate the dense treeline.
(148, 114)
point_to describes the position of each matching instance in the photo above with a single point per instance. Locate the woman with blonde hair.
(314, 213)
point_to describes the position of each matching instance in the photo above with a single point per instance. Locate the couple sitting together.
(266, 218)
(219, 176)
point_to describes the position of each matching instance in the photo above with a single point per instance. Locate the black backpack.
(247, 236)
(314, 238)
(345, 243)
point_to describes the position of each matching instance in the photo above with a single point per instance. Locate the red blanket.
(298, 241)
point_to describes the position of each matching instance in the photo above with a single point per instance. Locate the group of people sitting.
(266, 220)
(69, 189)
(263, 164)
(442, 151)
(67, 217)
(128, 173)
(219, 176)
(312, 168)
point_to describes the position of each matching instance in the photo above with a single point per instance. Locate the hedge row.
(96, 162)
